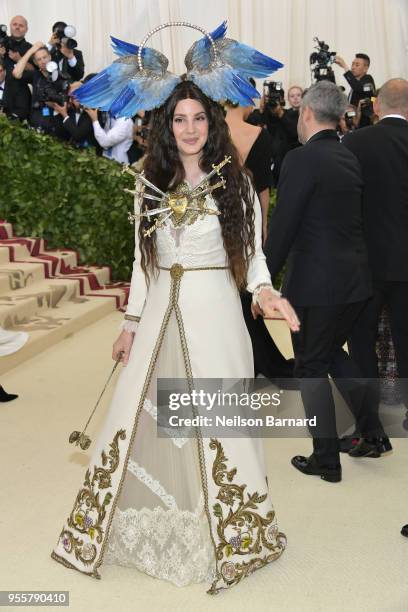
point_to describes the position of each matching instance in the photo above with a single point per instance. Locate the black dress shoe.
(404, 531)
(309, 465)
(371, 447)
(6, 397)
(348, 443)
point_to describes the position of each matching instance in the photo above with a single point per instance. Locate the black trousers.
(363, 337)
(268, 360)
(318, 348)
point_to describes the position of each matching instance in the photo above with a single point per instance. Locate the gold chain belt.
(177, 270)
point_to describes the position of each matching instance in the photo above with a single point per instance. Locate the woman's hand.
(123, 345)
(270, 304)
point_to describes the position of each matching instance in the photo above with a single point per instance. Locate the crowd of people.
(46, 99)
(38, 83)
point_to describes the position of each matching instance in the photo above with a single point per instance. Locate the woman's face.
(190, 127)
(295, 97)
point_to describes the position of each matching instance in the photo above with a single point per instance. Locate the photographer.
(362, 84)
(76, 126)
(115, 137)
(348, 122)
(140, 135)
(15, 97)
(281, 123)
(44, 89)
(13, 47)
(63, 51)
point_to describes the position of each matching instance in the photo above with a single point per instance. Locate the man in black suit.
(16, 45)
(317, 228)
(70, 61)
(15, 96)
(382, 151)
(76, 125)
(362, 84)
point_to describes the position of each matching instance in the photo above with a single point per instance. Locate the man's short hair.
(2, 63)
(363, 56)
(42, 49)
(59, 24)
(326, 100)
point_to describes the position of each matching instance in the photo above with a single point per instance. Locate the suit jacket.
(317, 226)
(78, 133)
(357, 87)
(382, 151)
(77, 72)
(16, 98)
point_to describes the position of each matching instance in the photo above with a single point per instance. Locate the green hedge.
(70, 197)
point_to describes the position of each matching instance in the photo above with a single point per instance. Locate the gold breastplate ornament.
(183, 206)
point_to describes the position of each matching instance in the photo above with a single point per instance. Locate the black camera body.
(65, 35)
(50, 90)
(4, 37)
(366, 104)
(274, 94)
(320, 61)
(349, 117)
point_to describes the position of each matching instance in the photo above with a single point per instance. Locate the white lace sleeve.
(258, 273)
(129, 326)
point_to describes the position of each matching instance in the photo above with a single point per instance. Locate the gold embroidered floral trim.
(89, 510)
(241, 529)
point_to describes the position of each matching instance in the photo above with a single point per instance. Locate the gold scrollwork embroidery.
(89, 510)
(242, 531)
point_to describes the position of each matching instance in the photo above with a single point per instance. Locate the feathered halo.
(139, 79)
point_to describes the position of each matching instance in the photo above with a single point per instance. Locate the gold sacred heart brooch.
(183, 205)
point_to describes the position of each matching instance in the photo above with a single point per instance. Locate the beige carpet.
(344, 551)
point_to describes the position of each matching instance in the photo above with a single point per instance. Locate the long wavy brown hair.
(163, 168)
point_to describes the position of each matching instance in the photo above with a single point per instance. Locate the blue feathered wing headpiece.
(219, 66)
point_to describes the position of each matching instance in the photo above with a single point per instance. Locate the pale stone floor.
(344, 550)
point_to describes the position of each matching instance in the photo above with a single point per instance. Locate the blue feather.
(224, 83)
(247, 60)
(120, 47)
(217, 33)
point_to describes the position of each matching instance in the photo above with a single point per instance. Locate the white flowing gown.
(184, 510)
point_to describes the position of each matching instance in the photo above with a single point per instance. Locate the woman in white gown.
(184, 510)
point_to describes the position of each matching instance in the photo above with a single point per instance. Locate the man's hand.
(340, 62)
(54, 39)
(61, 110)
(123, 345)
(69, 53)
(93, 113)
(36, 46)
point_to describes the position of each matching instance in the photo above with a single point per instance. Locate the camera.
(274, 94)
(349, 117)
(65, 34)
(142, 125)
(4, 38)
(54, 88)
(366, 104)
(320, 61)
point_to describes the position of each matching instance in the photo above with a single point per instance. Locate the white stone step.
(55, 325)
